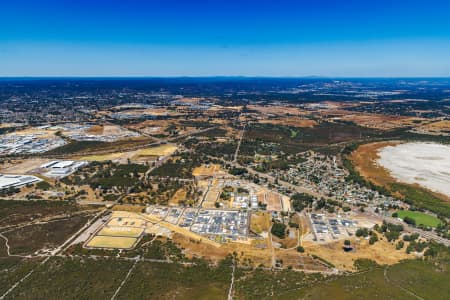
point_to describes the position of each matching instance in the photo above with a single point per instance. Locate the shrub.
(279, 230)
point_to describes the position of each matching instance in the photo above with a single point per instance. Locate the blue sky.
(207, 38)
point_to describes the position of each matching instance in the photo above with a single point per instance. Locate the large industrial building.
(16, 181)
(61, 168)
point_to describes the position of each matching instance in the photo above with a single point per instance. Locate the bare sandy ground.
(427, 164)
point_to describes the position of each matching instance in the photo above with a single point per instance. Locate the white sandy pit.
(427, 164)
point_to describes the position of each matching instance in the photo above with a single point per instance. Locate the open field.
(180, 195)
(382, 252)
(132, 220)
(120, 231)
(95, 129)
(273, 201)
(290, 121)
(204, 249)
(260, 222)
(162, 150)
(102, 157)
(420, 218)
(207, 170)
(115, 242)
(377, 121)
(296, 260)
(277, 110)
(439, 127)
(146, 154)
(22, 166)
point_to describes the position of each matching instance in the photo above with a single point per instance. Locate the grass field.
(420, 218)
(121, 231)
(111, 242)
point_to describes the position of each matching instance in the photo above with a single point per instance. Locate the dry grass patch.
(102, 157)
(177, 197)
(111, 242)
(120, 231)
(162, 150)
(382, 252)
(260, 222)
(290, 121)
(207, 170)
(95, 129)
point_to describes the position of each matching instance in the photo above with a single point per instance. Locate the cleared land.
(121, 231)
(382, 252)
(291, 121)
(22, 166)
(273, 201)
(260, 222)
(162, 150)
(420, 218)
(102, 157)
(207, 170)
(116, 242)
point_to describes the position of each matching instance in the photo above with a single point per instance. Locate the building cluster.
(219, 225)
(322, 174)
(80, 132)
(245, 197)
(16, 181)
(12, 144)
(245, 201)
(61, 168)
